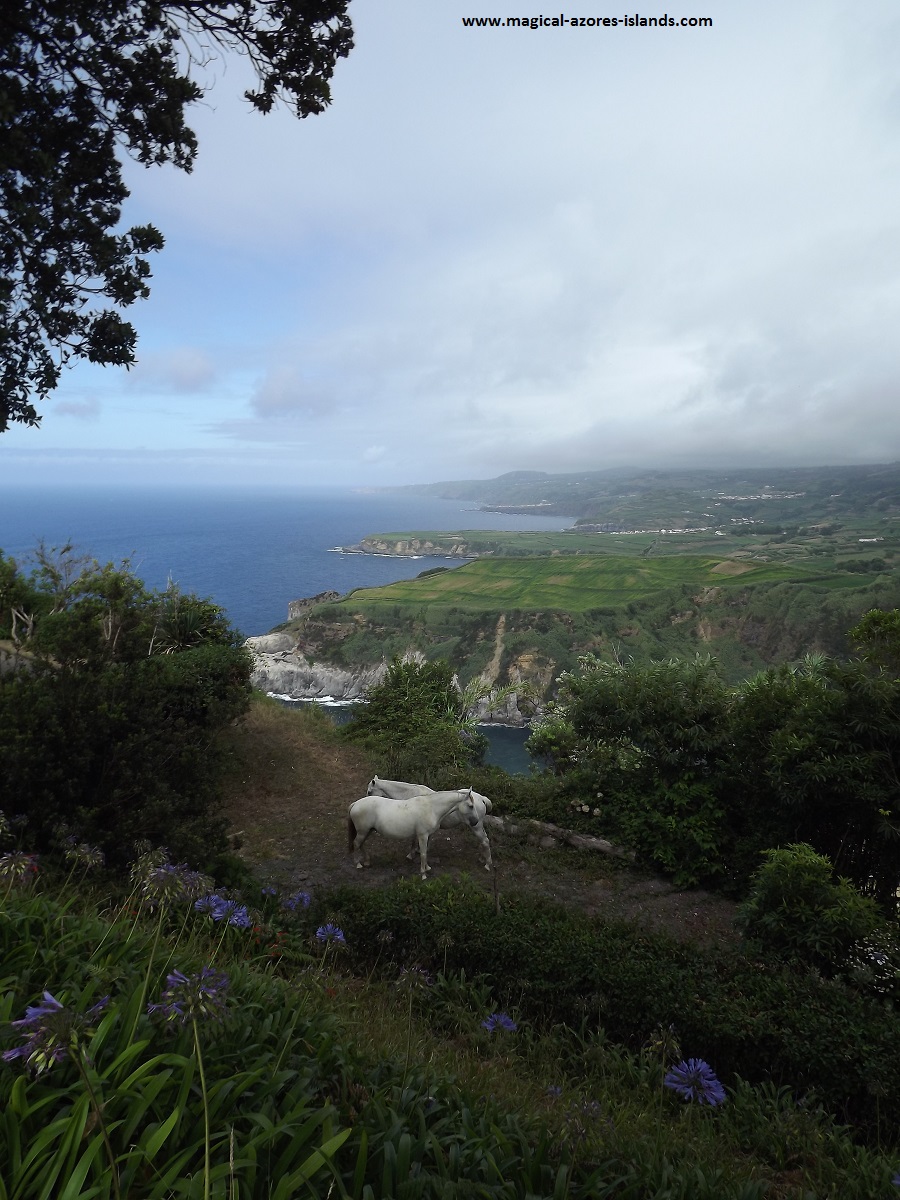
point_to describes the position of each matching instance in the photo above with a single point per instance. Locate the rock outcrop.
(279, 666)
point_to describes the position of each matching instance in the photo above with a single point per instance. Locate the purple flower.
(695, 1080)
(499, 1020)
(330, 933)
(81, 852)
(414, 977)
(269, 891)
(51, 1032)
(189, 997)
(240, 917)
(167, 883)
(896, 1180)
(17, 867)
(298, 900)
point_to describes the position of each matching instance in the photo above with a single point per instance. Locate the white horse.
(398, 790)
(417, 816)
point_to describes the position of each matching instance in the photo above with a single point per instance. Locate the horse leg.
(423, 855)
(359, 845)
(478, 830)
(412, 850)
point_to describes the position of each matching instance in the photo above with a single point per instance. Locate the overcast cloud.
(505, 248)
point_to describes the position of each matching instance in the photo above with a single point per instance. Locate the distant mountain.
(782, 494)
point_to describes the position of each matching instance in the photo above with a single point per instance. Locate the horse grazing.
(398, 790)
(413, 816)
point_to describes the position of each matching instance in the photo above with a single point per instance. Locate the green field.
(575, 584)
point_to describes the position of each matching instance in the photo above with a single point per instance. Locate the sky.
(563, 248)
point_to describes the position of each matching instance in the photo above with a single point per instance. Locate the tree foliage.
(797, 910)
(111, 707)
(417, 723)
(700, 777)
(80, 82)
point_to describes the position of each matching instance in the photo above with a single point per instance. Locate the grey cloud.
(181, 369)
(82, 410)
(285, 391)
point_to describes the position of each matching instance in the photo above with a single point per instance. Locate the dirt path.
(287, 795)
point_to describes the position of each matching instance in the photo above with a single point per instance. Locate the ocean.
(249, 551)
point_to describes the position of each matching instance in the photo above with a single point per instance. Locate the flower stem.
(146, 983)
(79, 1063)
(206, 1168)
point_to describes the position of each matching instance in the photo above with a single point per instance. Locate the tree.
(113, 708)
(877, 639)
(80, 82)
(419, 724)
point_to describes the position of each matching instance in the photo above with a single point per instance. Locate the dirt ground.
(291, 783)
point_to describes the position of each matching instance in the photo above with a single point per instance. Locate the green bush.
(414, 724)
(113, 729)
(753, 1016)
(797, 910)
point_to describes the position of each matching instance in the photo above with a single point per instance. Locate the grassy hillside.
(577, 584)
(532, 617)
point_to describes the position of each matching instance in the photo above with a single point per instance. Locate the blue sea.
(249, 551)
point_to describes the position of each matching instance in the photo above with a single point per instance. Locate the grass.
(322, 1079)
(577, 584)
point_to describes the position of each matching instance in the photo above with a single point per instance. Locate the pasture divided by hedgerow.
(572, 583)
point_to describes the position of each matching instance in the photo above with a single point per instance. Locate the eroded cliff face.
(279, 666)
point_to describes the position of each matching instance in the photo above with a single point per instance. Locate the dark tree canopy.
(81, 82)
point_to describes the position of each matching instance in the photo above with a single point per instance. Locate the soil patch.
(292, 779)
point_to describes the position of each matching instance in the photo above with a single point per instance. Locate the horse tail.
(351, 835)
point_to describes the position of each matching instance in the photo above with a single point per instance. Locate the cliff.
(280, 667)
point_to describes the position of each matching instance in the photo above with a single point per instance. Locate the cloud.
(285, 390)
(82, 410)
(179, 370)
(556, 249)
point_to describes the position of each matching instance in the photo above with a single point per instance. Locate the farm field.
(578, 584)
(858, 543)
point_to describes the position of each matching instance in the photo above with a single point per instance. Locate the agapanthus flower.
(4, 824)
(170, 883)
(191, 997)
(499, 1020)
(695, 1080)
(81, 852)
(240, 917)
(269, 891)
(51, 1032)
(298, 900)
(896, 1180)
(17, 867)
(330, 933)
(414, 977)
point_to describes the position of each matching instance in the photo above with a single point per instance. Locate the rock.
(271, 643)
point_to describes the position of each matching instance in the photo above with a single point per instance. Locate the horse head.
(467, 809)
(373, 784)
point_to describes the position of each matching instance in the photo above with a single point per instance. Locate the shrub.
(754, 1017)
(797, 910)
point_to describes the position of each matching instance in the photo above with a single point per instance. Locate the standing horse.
(398, 790)
(417, 816)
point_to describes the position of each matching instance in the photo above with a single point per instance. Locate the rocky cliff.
(279, 666)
